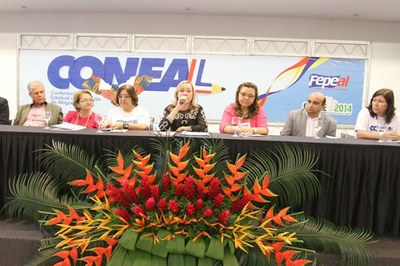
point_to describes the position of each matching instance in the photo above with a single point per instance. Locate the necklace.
(87, 120)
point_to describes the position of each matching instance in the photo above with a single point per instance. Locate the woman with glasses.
(184, 113)
(379, 120)
(253, 119)
(83, 116)
(127, 115)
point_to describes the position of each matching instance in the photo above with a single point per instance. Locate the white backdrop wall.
(383, 37)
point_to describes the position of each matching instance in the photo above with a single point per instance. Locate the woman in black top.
(184, 114)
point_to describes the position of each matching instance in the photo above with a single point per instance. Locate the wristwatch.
(125, 126)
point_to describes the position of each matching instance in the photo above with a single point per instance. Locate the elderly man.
(33, 114)
(4, 112)
(310, 121)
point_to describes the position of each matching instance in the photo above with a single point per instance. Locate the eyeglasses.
(250, 96)
(87, 101)
(124, 97)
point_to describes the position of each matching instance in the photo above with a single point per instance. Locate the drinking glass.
(235, 122)
(154, 122)
(99, 119)
(46, 118)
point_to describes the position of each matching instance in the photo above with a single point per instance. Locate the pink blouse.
(259, 120)
(74, 118)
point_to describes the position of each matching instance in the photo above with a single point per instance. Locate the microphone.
(182, 100)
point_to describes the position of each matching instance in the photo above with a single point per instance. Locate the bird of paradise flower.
(290, 76)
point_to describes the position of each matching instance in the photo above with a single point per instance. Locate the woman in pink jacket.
(253, 119)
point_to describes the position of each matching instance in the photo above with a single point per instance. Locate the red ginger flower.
(166, 182)
(199, 204)
(214, 188)
(155, 192)
(130, 193)
(201, 193)
(150, 204)
(217, 201)
(179, 190)
(189, 190)
(223, 217)
(238, 205)
(145, 188)
(162, 204)
(123, 213)
(137, 210)
(208, 213)
(190, 209)
(173, 206)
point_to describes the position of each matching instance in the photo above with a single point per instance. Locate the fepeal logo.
(65, 70)
(327, 82)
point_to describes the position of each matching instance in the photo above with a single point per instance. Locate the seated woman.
(83, 116)
(246, 106)
(184, 114)
(379, 120)
(127, 115)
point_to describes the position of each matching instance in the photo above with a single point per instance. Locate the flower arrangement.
(185, 215)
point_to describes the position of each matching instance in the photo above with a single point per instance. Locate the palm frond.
(160, 155)
(36, 192)
(349, 243)
(44, 258)
(252, 257)
(291, 173)
(67, 162)
(221, 151)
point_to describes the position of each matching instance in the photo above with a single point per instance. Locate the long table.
(362, 187)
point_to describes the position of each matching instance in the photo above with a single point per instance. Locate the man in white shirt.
(310, 121)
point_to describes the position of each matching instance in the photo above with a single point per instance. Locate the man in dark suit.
(4, 112)
(310, 121)
(33, 114)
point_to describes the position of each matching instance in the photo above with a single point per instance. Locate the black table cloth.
(362, 187)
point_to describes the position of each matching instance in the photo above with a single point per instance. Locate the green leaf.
(128, 239)
(37, 192)
(142, 258)
(176, 245)
(231, 246)
(118, 256)
(190, 260)
(176, 260)
(160, 249)
(230, 259)
(215, 249)
(158, 261)
(145, 243)
(322, 235)
(196, 248)
(205, 261)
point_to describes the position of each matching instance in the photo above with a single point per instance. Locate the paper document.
(67, 126)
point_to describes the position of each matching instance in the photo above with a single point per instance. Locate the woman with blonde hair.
(83, 116)
(184, 113)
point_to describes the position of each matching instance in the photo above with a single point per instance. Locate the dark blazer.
(23, 111)
(4, 112)
(297, 123)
